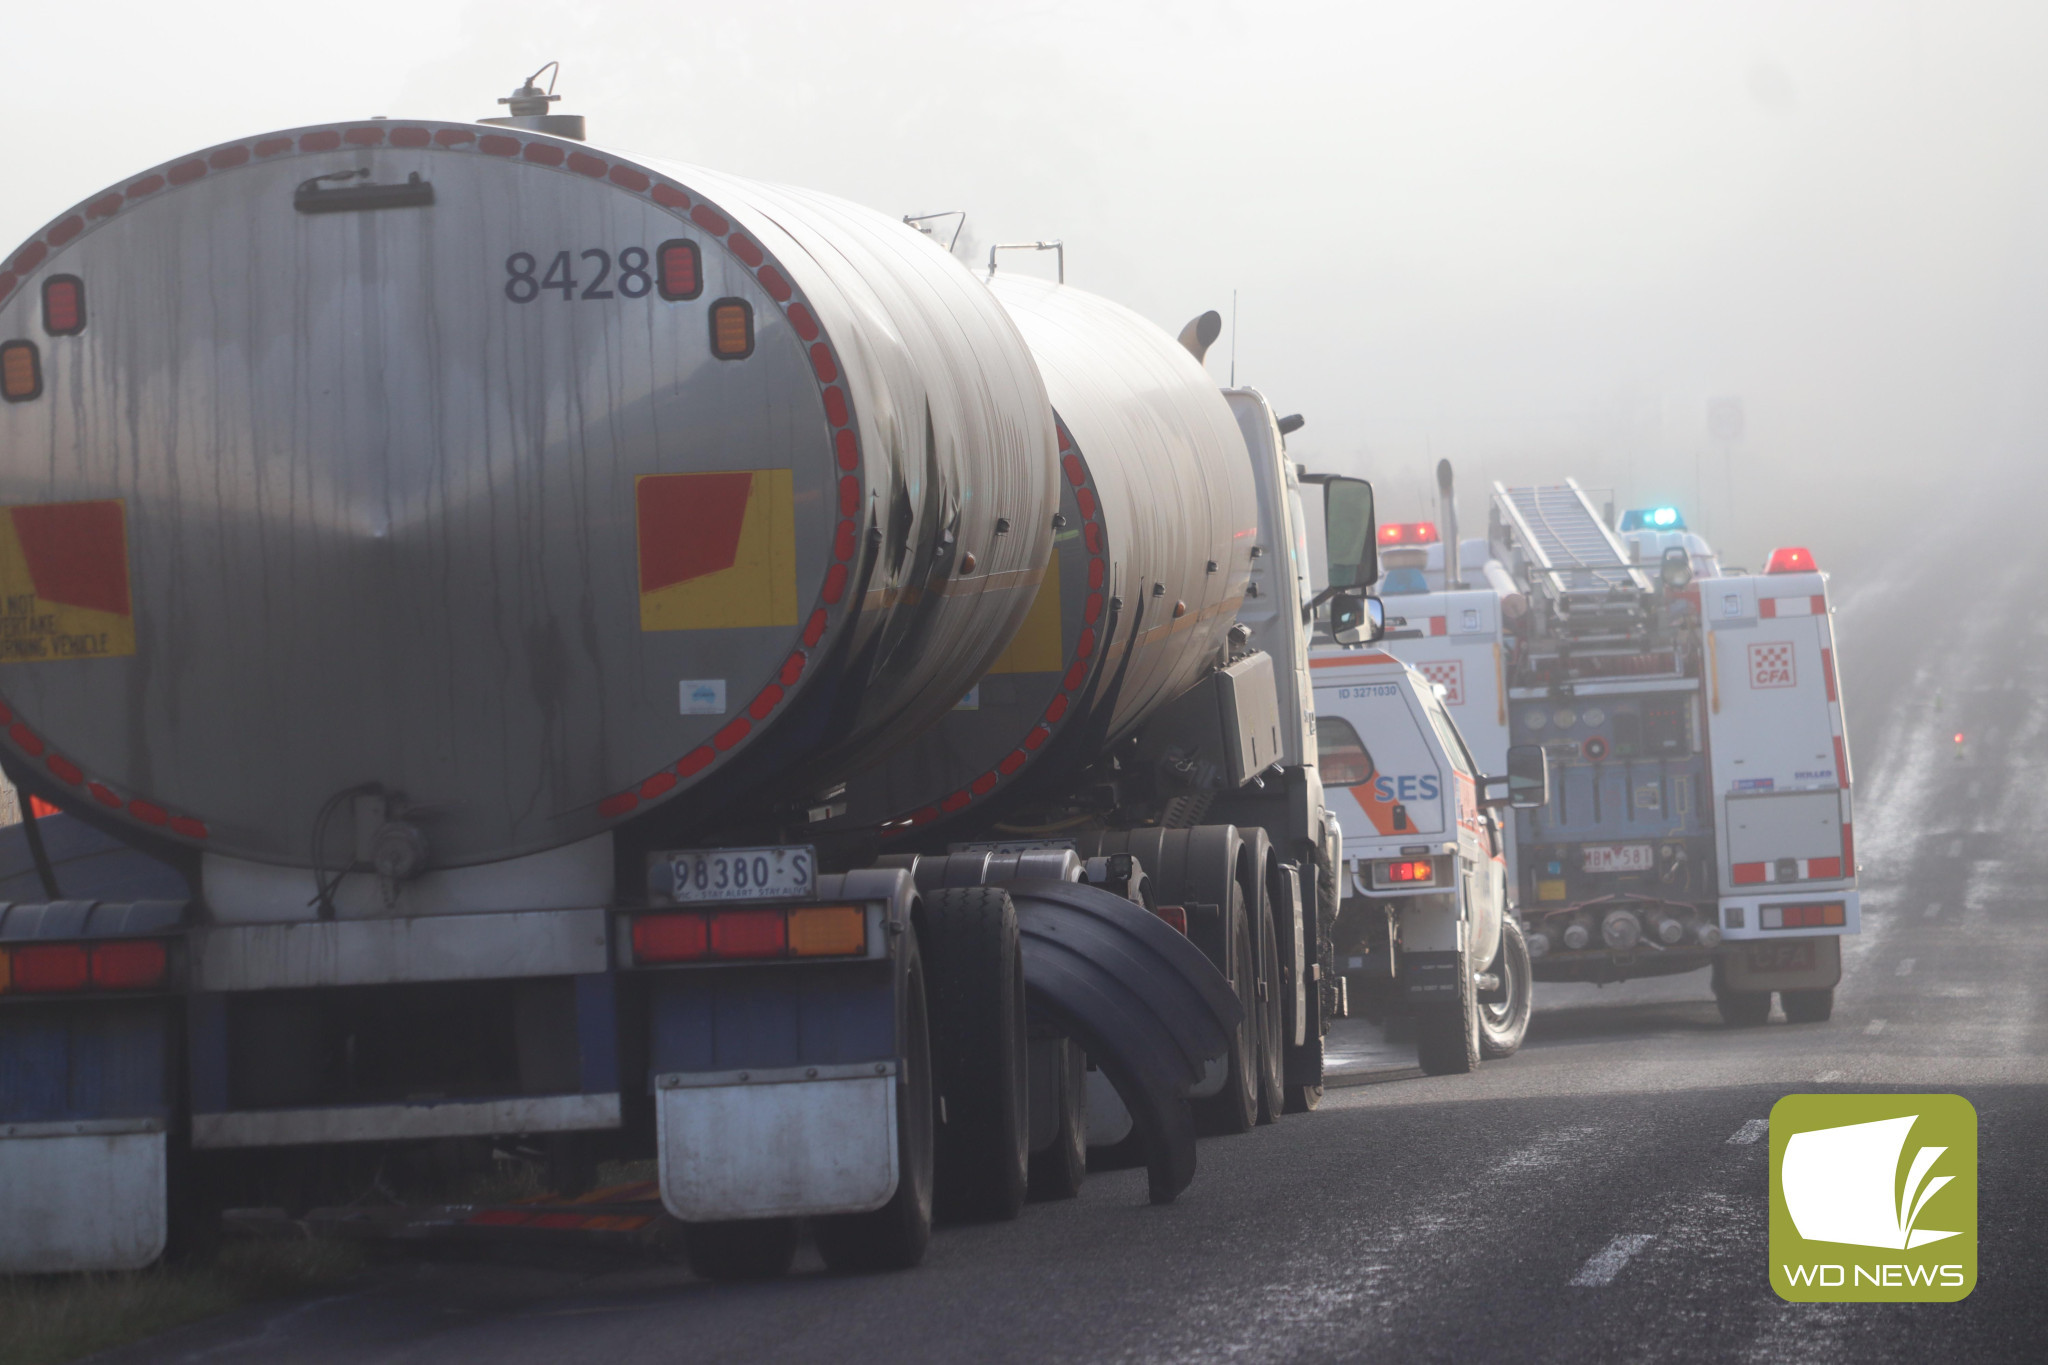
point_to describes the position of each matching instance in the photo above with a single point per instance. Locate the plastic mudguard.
(1145, 1002)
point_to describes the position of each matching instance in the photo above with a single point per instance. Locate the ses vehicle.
(616, 660)
(1427, 929)
(1699, 810)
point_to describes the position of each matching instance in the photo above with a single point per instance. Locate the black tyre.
(1447, 1035)
(757, 1249)
(894, 1236)
(1058, 1168)
(1740, 1009)
(1504, 1011)
(1269, 994)
(1808, 1007)
(1235, 1109)
(979, 1054)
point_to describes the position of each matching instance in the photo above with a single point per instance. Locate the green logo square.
(1873, 1198)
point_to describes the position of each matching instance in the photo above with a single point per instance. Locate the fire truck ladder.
(1571, 556)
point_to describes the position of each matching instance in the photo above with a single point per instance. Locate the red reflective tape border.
(547, 153)
(1094, 537)
(1841, 762)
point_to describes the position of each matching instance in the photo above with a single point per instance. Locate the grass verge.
(49, 1319)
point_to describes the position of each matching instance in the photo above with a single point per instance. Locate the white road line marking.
(1874, 1027)
(1608, 1261)
(1906, 966)
(1827, 1076)
(1750, 1132)
(1933, 910)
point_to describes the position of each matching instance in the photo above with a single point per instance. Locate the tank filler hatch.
(527, 107)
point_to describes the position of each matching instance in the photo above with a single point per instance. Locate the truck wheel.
(1268, 987)
(1504, 1013)
(1447, 1036)
(756, 1249)
(979, 1058)
(894, 1236)
(1058, 1168)
(1740, 1009)
(1235, 1109)
(1808, 1007)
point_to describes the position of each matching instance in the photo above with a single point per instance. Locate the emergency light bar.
(1791, 559)
(1408, 533)
(1652, 519)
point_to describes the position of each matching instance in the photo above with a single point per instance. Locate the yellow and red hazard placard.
(716, 549)
(64, 582)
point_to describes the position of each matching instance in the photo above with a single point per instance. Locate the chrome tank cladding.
(537, 484)
(1158, 520)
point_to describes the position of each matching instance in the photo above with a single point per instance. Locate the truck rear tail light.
(1790, 559)
(671, 938)
(21, 371)
(129, 966)
(749, 933)
(1831, 915)
(831, 931)
(732, 329)
(1176, 915)
(681, 270)
(51, 967)
(63, 305)
(1407, 872)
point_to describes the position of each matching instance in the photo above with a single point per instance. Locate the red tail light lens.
(129, 966)
(1791, 559)
(21, 371)
(1176, 915)
(52, 967)
(1408, 533)
(732, 329)
(681, 273)
(63, 305)
(749, 933)
(671, 938)
(1418, 872)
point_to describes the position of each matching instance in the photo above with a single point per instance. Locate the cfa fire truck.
(1699, 809)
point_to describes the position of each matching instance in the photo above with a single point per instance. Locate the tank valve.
(398, 851)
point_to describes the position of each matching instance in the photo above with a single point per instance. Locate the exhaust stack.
(1447, 492)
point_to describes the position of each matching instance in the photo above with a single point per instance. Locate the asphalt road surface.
(1591, 1199)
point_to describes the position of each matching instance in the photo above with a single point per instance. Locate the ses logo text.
(1873, 1198)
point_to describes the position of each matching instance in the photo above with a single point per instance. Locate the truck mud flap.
(1145, 1002)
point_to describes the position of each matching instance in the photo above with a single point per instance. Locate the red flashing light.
(1408, 533)
(1791, 559)
(1959, 736)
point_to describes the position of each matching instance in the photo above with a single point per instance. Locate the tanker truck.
(622, 660)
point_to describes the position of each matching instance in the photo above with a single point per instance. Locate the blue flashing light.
(1652, 519)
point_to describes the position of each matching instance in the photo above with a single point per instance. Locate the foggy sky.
(1535, 239)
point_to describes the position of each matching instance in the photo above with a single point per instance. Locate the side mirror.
(1527, 784)
(1350, 534)
(1356, 619)
(1676, 570)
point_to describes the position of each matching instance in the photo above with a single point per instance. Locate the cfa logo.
(1771, 666)
(1873, 1198)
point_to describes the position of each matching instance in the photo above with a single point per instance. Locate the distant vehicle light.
(1652, 519)
(1791, 559)
(1408, 533)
